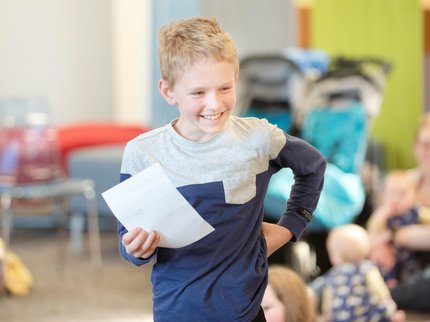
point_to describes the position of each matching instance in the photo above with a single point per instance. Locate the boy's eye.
(226, 89)
(197, 93)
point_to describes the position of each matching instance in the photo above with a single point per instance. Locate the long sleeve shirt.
(222, 277)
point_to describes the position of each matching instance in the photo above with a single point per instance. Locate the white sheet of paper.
(150, 201)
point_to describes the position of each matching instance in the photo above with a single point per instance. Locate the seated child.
(287, 298)
(397, 210)
(354, 288)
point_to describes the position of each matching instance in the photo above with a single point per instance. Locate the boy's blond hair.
(350, 243)
(183, 43)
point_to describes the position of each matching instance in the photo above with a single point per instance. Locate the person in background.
(354, 289)
(414, 293)
(396, 210)
(287, 298)
(222, 165)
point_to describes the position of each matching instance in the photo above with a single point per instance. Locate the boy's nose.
(213, 101)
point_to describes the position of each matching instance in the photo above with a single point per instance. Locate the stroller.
(271, 87)
(334, 113)
(335, 118)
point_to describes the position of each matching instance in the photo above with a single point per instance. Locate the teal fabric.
(340, 134)
(341, 200)
(280, 117)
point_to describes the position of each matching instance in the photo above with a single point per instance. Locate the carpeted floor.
(69, 289)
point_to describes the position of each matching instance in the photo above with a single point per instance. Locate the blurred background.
(95, 60)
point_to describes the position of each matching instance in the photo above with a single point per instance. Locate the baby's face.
(399, 197)
(205, 96)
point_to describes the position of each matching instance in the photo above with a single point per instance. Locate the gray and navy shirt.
(222, 277)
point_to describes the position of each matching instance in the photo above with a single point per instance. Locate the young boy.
(222, 165)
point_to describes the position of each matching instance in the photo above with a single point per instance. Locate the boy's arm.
(308, 166)
(276, 236)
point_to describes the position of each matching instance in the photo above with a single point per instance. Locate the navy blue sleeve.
(121, 231)
(308, 166)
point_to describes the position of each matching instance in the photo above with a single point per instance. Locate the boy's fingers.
(150, 240)
(136, 244)
(130, 235)
(150, 245)
(140, 243)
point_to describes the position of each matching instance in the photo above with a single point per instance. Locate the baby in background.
(354, 288)
(397, 209)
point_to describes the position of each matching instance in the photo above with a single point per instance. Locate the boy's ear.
(166, 92)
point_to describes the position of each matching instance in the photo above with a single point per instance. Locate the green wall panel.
(389, 29)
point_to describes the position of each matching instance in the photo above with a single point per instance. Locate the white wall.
(256, 26)
(132, 60)
(60, 50)
(92, 59)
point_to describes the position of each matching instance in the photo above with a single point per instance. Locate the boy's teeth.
(212, 117)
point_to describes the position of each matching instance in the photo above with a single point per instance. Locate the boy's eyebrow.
(199, 88)
(193, 89)
(227, 84)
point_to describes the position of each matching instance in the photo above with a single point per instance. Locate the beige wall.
(132, 59)
(256, 26)
(60, 50)
(92, 59)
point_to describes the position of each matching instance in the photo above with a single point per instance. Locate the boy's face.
(205, 96)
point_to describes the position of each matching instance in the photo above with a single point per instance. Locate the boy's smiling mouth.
(212, 117)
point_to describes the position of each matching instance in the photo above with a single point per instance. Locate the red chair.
(91, 134)
(31, 172)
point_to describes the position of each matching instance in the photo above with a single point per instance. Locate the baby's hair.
(291, 290)
(349, 242)
(183, 43)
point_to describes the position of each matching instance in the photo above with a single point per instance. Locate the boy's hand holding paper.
(150, 201)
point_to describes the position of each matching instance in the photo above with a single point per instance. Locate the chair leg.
(62, 206)
(93, 226)
(6, 217)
